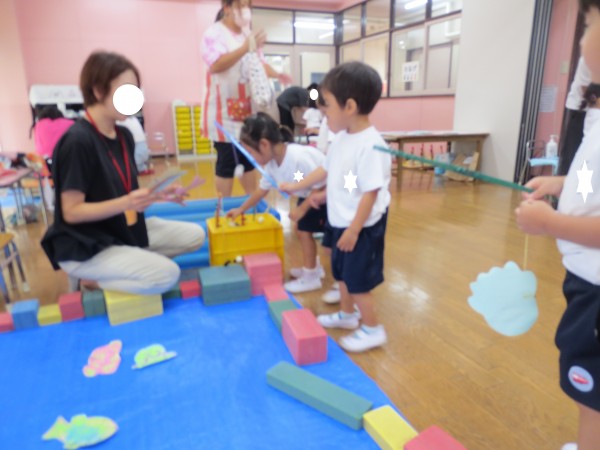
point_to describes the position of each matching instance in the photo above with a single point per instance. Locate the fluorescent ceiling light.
(315, 25)
(414, 4)
(326, 35)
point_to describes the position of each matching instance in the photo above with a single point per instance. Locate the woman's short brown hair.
(99, 70)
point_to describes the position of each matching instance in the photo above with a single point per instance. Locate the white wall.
(495, 41)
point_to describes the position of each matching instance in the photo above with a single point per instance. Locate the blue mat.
(213, 395)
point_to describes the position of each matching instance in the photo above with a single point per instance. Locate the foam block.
(71, 307)
(263, 269)
(174, 293)
(190, 289)
(275, 292)
(330, 399)
(304, 336)
(188, 274)
(49, 315)
(276, 309)
(224, 284)
(93, 303)
(123, 307)
(24, 314)
(6, 323)
(388, 428)
(434, 438)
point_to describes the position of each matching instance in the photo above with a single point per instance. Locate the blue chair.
(535, 154)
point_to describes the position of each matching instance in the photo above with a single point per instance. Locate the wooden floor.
(443, 365)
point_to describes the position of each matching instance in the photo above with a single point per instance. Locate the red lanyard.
(125, 179)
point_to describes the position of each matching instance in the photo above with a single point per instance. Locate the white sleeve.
(373, 168)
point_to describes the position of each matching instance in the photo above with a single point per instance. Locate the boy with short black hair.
(575, 225)
(358, 178)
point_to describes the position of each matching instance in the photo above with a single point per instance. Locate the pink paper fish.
(104, 360)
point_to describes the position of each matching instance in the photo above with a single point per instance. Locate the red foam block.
(434, 438)
(263, 268)
(71, 307)
(6, 323)
(190, 289)
(304, 336)
(275, 292)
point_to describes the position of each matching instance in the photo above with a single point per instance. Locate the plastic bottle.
(552, 147)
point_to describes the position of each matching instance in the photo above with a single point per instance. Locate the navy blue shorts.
(225, 167)
(327, 239)
(314, 220)
(578, 342)
(362, 268)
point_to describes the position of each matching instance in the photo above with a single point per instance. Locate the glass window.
(351, 52)
(314, 28)
(378, 16)
(281, 62)
(376, 55)
(409, 11)
(351, 23)
(442, 55)
(441, 7)
(277, 24)
(408, 61)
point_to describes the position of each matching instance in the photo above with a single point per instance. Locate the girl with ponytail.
(273, 148)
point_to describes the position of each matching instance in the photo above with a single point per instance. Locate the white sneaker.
(297, 272)
(336, 320)
(569, 446)
(333, 295)
(303, 284)
(360, 340)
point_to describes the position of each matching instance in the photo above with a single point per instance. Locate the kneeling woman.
(100, 233)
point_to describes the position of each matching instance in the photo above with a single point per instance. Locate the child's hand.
(347, 241)
(288, 188)
(233, 213)
(543, 186)
(316, 199)
(533, 216)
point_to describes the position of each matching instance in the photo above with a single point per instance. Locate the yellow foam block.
(49, 315)
(387, 428)
(123, 307)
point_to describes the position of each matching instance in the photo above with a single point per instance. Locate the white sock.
(345, 315)
(311, 273)
(372, 330)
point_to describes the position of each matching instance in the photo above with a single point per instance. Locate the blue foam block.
(24, 314)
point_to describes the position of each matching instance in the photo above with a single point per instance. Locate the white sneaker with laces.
(361, 341)
(569, 446)
(303, 284)
(333, 295)
(335, 320)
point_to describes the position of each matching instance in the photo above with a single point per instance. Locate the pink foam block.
(304, 336)
(263, 269)
(6, 323)
(434, 438)
(190, 289)
(275, 293)
(71, 307)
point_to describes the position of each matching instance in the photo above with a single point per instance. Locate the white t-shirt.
(591, 117)
(372, 168)
(298, 157)
(313, 118)
(581, 260)
(134, 125)
(325, 137)
(581, 80)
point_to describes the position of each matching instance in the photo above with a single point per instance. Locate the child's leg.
(589, 428)
(366, 307)
(309, 249)
(347, 300)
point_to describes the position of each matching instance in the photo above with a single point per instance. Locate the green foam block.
(172, 294)
(93, 303)
(276, 310)
(330, 399)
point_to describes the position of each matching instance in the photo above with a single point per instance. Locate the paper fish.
(104, 360)
(505, 297)
(153, 354)
(83, 431)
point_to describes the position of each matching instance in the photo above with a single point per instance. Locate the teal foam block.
(188, 274)
(172, 294)
(224, 284)
(332, 400)
(276, 310)
(24, 314)
(93, 303)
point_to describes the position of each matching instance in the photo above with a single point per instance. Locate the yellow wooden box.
(49, 315)
(259, 234)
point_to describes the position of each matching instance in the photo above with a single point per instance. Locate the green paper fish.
(83, 431)
(153, 354)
